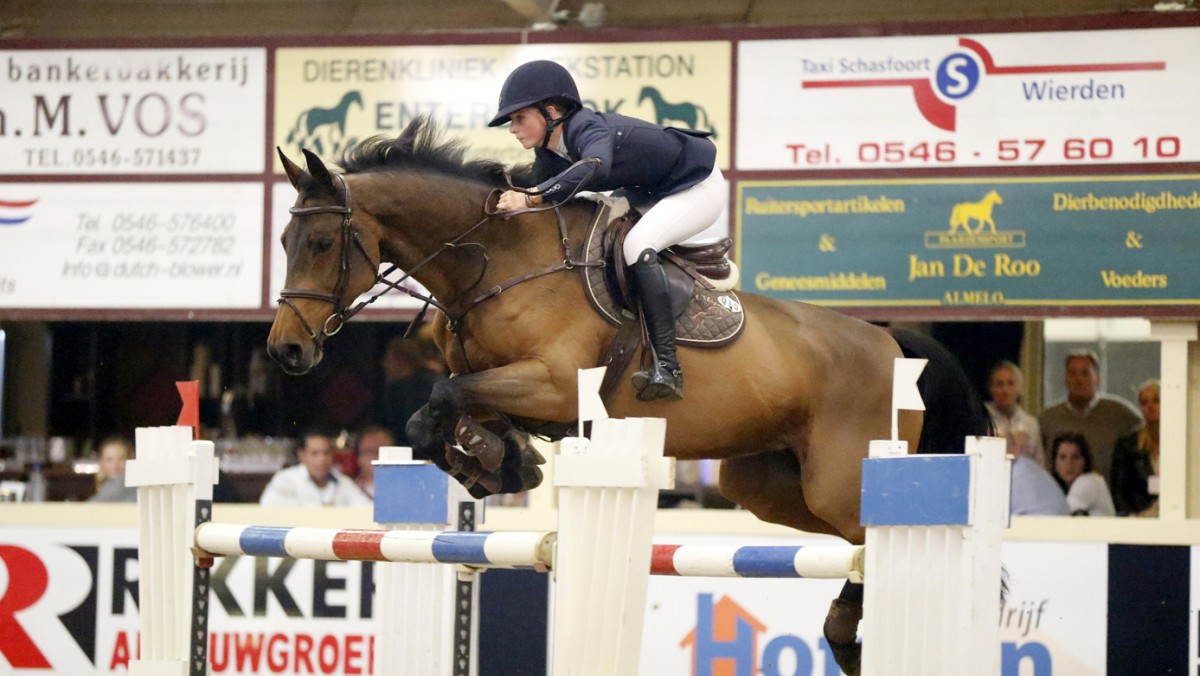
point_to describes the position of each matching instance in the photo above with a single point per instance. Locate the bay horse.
(788, 408)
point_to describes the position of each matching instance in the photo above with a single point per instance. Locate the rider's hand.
(511, 200)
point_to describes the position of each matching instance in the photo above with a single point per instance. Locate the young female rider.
(578, 148)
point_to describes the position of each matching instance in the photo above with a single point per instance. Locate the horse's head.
(331, 260)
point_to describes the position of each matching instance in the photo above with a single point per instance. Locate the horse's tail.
(953, 410)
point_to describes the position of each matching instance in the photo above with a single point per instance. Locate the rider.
(675, 169)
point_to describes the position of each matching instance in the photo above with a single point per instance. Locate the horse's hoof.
(531, 477)
(841, 633)
(841, 622)
(480, 442)
(848, 657)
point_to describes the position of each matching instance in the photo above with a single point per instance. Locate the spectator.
(372, 438)
(314, 481)
(1034, 491)
(1135, 460)
(1087, 494)
(1100, 418)
(110, 479)
(1011, 421)
(407, 385)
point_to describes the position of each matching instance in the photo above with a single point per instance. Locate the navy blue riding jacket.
(645, 159)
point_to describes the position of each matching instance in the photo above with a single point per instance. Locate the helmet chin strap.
(551, 123)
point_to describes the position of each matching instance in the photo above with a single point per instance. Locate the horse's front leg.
(495, 457)
(528, 389)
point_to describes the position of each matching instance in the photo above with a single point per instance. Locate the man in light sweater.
(1100, 418)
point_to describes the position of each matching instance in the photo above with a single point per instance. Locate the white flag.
(905, 394)
(591, 407)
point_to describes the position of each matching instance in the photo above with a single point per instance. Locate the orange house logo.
(725, 640)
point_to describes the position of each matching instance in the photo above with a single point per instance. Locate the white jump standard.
(932, 555)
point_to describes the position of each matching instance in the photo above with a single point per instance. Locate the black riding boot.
(664, 380)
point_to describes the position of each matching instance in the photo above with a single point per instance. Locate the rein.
(342, 312)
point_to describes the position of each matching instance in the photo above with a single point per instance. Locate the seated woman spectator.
(110, 479)
(1087, 494)
(1135, 460)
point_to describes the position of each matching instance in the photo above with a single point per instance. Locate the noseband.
(341, 310)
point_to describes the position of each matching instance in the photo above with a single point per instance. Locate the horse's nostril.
(292, 354)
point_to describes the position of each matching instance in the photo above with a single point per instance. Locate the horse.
(788, 408)
(309, 122)
(981, 211)
(690, 114)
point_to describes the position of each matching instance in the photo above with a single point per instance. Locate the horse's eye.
(323, 245)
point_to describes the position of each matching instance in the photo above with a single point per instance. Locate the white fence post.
(426, 624)
(174, 476)
(607, 498)
(934, 525)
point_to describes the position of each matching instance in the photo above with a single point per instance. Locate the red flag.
(189, 392)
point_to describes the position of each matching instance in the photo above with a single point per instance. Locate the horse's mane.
(421, 147)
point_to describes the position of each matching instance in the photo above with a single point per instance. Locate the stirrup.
(660, 382)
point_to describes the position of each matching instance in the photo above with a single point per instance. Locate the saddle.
(701, 277)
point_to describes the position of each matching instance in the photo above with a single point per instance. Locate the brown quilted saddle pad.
(708, 318)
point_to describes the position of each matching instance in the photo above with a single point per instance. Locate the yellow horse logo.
(980, 212)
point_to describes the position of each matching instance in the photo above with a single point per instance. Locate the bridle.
(341, 310)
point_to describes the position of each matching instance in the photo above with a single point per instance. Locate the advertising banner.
(990, 242)
(68, 605)
(1052, 622)
(1005, 99)
(131, 246)
(132, 111)
(328, 99)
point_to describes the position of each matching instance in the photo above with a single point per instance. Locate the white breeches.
(677, 217)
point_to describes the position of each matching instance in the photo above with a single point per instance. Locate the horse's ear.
(294, 173)
(320, 174)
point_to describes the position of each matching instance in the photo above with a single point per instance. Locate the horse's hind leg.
(769, 485)
(841, 628)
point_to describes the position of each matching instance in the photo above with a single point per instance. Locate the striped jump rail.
(486, 550)
(837, 562)
(533, 550)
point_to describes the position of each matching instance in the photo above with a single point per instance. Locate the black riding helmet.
(531, 84)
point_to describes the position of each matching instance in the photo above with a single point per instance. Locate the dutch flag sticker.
(15, 212)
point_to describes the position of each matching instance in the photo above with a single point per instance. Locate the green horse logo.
(323, 130)
(690, 114)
